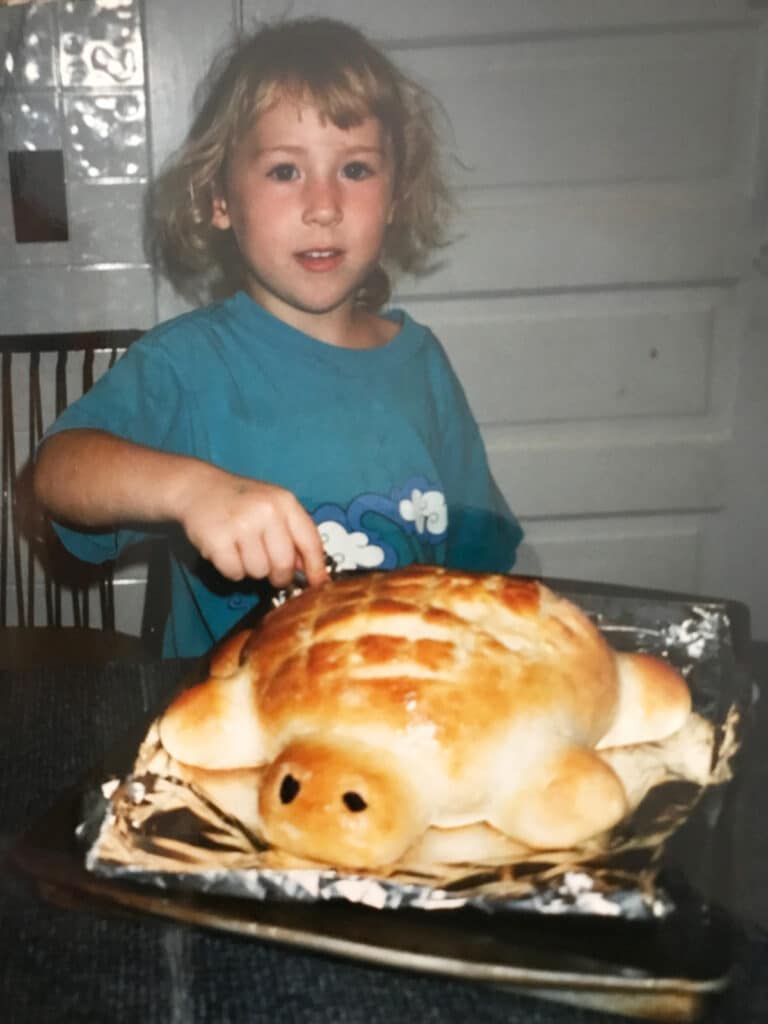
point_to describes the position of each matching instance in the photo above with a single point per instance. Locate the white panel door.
(599, 299)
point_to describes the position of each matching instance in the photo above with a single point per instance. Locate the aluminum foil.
(159, 824)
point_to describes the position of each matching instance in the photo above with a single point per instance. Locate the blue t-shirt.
(379, 445)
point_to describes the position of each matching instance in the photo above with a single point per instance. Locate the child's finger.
(310, 549)
(281, 555)
(226, 558)
(254, 560)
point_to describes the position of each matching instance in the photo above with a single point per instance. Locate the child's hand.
(244, 527)
(249, 528)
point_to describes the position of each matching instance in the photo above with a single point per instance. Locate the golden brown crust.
(225, 657)
(427, 644)
(447, 695)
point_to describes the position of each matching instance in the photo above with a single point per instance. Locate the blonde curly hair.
(333, 66)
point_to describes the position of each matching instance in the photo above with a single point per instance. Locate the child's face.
(308, 204)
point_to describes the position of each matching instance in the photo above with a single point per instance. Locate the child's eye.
(357, 170)
(283, 172)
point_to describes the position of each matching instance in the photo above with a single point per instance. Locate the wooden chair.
(54, 608)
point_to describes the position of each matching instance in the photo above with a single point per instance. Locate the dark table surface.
(70, 965)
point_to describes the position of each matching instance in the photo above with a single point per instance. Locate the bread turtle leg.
(215, 725)
(571, 796)
(654, 701)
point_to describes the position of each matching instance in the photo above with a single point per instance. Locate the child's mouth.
(320, 259)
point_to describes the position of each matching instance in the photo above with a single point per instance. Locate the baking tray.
(667, 969)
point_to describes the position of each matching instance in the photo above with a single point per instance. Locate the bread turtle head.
(340, 802)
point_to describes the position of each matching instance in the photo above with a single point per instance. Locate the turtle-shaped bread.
(381, 705)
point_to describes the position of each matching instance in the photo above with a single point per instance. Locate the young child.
(292, 419)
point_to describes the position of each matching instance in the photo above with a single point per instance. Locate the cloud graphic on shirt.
(350, 549)
(427, 510)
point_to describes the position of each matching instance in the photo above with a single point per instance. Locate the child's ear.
(391, 214)
(220, 215)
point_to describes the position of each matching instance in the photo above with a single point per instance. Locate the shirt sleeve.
(138, 399)
(483, 533)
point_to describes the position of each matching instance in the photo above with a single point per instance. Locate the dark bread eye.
(354, 802)
(289, 789)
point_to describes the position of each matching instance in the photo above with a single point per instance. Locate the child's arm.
(245, 527)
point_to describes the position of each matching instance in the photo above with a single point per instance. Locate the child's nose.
(322, 203)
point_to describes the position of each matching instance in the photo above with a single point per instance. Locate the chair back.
(40, 584)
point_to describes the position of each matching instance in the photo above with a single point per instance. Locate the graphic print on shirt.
(378, 531)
